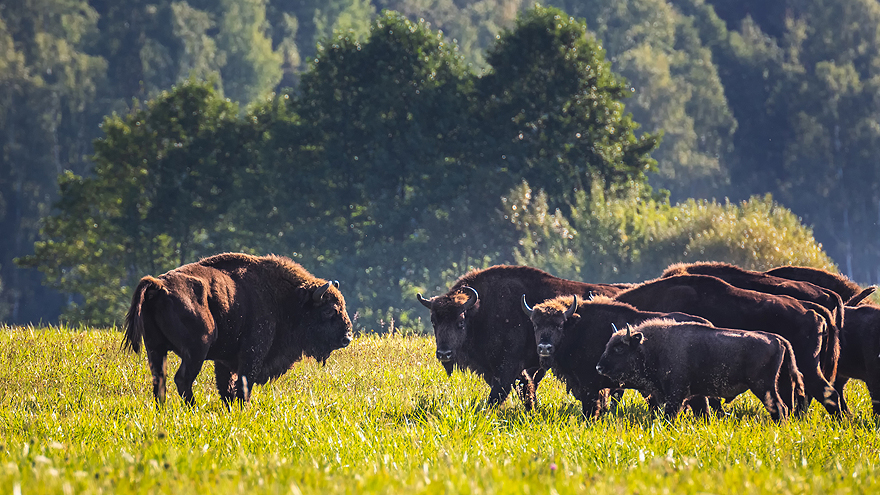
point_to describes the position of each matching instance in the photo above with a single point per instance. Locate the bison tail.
(858, 298)
(134, 320)
(789, 365)
(832, 354)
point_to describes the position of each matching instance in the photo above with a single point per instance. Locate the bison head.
(327, 320)
(624, 358)
(550, 319)
(449, 318)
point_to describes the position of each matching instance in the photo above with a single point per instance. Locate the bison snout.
(444, 356)
(545, 350)
(345, 341)
(600, 369)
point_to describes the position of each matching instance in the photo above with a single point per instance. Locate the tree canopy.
(374, 139)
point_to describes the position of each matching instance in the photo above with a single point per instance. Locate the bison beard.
(253, 316)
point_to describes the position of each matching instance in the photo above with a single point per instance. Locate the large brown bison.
(571, 336)
(253, 316)
(479, 326)
(859, 349)
(762, 282)
(675, 360)
(850, 292)
(815, 343)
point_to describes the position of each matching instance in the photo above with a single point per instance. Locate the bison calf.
(571, 337)
(678, 360)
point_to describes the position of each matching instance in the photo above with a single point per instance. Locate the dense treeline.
(385, 162)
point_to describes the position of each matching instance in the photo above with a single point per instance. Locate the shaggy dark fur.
(802, 323)
(479, 325)
(762, 282)
(572, 345)
(848, 290)
(253, 316)
(679, 360)
(859, 349)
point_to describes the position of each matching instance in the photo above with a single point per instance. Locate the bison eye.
(619, 350)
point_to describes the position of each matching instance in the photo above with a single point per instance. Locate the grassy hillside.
(76, 416)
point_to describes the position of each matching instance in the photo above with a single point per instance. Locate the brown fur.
(815, 344)
(572, 346)
(494, 338)
(677, 360)
(846, 288)
(253, 316)
(860, 352)
(762, 282)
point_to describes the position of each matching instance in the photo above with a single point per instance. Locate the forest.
(393, 145)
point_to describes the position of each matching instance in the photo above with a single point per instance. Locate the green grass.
(76, 416)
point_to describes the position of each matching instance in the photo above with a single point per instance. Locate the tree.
(554, 112)
(48, 81)
(675, 84)
(179, 158)
(252, 68)
(619, 237)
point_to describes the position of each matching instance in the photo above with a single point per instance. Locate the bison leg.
(874, 391)
(839, 384)
(186, 375)
(226, 382)
(156, 358)
(769, 395)
(699, 405)
(593, 402)
(526, 387)
(817, 386)
(499, 392)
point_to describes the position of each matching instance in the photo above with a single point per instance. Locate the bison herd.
(699, 334)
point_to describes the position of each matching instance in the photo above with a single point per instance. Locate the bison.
(571, 337)
(677, 360)
(859, 349)
(253, 316)
(850, 292)
(479, 326)
(814, 341)
(762, 282)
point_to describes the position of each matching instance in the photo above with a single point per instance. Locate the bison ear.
(636, 339)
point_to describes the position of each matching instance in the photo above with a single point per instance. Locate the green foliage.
(164, 177)
(77, 415)
(675, 83)
(554, 107)
(253, 67)
(624, 236)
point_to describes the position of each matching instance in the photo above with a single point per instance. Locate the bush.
(625, 235)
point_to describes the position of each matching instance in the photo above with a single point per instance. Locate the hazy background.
(751, 98)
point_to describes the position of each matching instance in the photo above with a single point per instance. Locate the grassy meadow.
(77, 416)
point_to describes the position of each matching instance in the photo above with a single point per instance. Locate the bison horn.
(614, 327)
(472, 299)
(525, 307)
(629, 330)
(336, 283)
(425, 302)
(571, 309)
(318, 295)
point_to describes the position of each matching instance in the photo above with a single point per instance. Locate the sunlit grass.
(77, 416)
